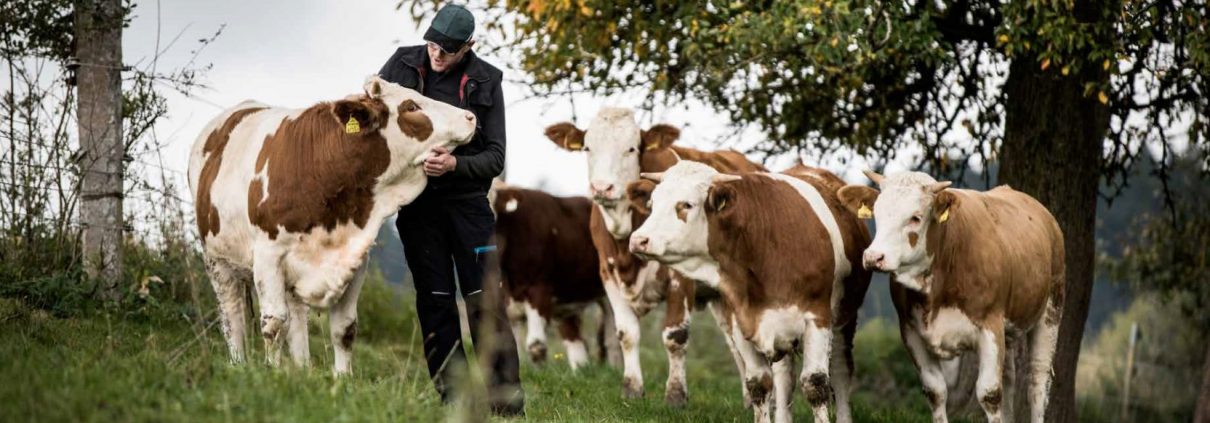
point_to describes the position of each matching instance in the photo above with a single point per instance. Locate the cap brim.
(447, 44)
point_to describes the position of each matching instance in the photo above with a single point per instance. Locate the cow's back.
(999, 249)
(854, 234)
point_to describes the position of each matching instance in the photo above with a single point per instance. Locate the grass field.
(168, 366)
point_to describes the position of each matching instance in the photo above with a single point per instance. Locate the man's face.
(441, 61)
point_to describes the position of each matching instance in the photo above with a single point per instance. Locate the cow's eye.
(413, 107)
(585, 148)
(915, 220)
(632, 149)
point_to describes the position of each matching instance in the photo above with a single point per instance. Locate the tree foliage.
(868, 74)
(1170, 256)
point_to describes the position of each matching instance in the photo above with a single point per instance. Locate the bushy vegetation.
(1167, 356)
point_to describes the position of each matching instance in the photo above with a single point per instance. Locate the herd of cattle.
(291, 200)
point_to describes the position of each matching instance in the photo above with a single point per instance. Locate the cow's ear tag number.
(945, 215)
(352, 126)
(864, 212)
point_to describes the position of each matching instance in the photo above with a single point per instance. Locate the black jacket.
(479, 91)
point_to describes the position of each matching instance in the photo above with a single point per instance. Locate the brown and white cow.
(550, 267)
(971, 268)
(292, 199)
(782, 249)
(618, 150)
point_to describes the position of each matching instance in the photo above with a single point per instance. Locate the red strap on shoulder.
(462, 89)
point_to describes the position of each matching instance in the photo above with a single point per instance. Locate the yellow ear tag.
(864, 212)
(352, 126)
(945, 215)
(573, 145)
(651, 146)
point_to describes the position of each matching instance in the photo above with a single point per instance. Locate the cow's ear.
(359, 116)
(945, 203)
(859, 199)
(566, 135)
(659, 136)
(639, 195)
(720, 200)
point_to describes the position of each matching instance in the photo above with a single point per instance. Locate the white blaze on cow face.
(677, 230)
(615, 145)
(903, 212)
(612, 142)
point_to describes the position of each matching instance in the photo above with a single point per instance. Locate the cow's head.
(677, 229)
(615, 147)
(903, 211)
(412, 124)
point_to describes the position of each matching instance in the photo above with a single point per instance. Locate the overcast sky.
(296, 53)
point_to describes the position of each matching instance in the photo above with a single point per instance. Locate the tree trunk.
(98, 41)
(1052, 150)
(1203, 400)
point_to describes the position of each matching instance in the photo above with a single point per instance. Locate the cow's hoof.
(632, 388)
(675, 396)
(537, 352)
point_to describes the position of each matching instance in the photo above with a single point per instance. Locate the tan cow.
(972, 268)
(782, 250)
(292, 199)
(618, 150)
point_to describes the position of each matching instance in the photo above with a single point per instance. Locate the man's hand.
(440, 162)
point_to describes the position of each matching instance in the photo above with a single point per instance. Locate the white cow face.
(677, 229)
(908, 204)
(411, 123)
(615, 147)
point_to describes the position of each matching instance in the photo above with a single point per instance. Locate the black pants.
(440, 237)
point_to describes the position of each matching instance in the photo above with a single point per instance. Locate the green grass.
(164, 367)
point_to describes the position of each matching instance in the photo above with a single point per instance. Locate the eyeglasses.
(432, 46)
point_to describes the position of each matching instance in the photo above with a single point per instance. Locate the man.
(448, 228)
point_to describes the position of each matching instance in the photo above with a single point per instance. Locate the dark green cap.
(451, 28)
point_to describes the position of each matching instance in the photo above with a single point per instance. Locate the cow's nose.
(470, 116)
(602, 189)
(639, 243)
(873, 260)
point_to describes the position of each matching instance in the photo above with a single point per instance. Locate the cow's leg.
(842, 369)
(271, 293)
(229, 290)
(724, 324)
(988, 386)
(535, 333)
(627, 324)
(342, 319)
(758, 378)
(816, 357)
(297, 336)
(607, 340)
(931, 375)
(1042, 342)
(569, 330)
(783, 389)
(676, 338)
(516, 319)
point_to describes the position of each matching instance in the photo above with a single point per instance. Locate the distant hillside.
(387, 256)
